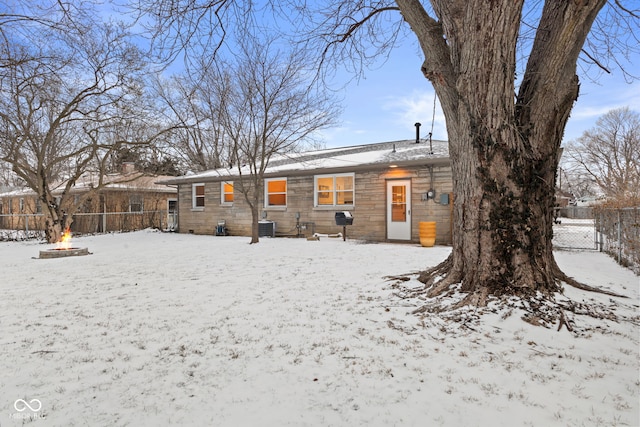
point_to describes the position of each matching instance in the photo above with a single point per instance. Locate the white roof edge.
(403, 152)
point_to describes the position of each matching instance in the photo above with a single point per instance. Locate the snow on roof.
(385, 153)
(130, 181)
(15, 192)
(133, 181)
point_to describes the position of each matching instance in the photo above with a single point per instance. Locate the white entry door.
(399, 209)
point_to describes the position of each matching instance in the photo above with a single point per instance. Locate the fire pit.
(64, 248)
(63, 252)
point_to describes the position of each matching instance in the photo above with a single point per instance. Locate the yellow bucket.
(427, 231)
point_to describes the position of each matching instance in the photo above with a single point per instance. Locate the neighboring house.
(564, 199)
(130, 201)
(388, 188)
(590, 201)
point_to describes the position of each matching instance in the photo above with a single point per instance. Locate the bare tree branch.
(609, 153)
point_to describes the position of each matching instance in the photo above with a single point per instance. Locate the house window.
(197, 198)
(135, 203)
(334, 190)
(10, 206)
(275, 192)
(38, 206)
(227, 193)
(21, 205)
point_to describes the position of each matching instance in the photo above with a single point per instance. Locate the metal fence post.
(601, 226)
(595, 230)
(619, 238)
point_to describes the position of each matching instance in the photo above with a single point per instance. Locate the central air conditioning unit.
(266, 229)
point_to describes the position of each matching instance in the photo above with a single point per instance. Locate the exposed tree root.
(563, 321)
(561, 276)
(439, 279)
(458, 311)
(442, 294)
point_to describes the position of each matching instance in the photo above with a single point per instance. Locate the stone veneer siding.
(369, 210)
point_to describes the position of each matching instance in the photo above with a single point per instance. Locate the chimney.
(128, 167)
(417, 125)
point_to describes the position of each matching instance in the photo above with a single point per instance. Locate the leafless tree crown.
(609, 154)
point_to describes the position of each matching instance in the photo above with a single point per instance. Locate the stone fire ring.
(61, 253)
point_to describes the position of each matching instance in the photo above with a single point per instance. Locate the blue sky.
(385, 105)
(388, 100)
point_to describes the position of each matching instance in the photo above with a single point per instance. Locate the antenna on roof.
(430, 144)
(433, 119)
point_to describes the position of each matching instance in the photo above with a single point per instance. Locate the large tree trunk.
(250, 187)
(503, 211)
(53, 225)
(57, 221)
(52, 230)
(504, 149)
(255, 227)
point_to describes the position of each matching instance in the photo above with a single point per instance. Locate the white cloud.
(418, 107)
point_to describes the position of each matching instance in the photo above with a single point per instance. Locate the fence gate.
(570, 233)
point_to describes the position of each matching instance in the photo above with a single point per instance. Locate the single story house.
(388, 188)
(130, 201)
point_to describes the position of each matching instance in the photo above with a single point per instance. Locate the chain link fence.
(574, 233)
(614, 231)
(574, 228)
(618, 232)
(31, 226)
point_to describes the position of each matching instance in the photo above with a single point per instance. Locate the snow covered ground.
(160, 329)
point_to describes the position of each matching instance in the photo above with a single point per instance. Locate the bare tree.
(609, 154)
(197, 136)
(575, 181)
(267, 108)
(74, 99)
(507, 80)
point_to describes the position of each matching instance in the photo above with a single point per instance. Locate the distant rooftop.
(128, 180)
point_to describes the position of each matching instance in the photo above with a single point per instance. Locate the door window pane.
(399, 203)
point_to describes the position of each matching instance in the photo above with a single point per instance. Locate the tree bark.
(52, 230)
(57, 221)
(254, 224)
(53, 220)
(504, 148)
(249, 186)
